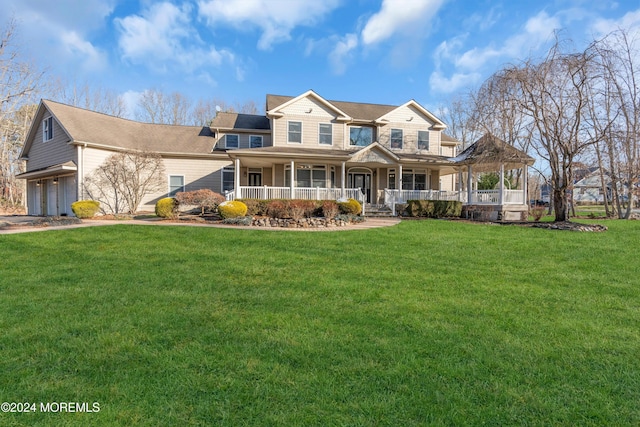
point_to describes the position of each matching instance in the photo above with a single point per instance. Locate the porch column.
(525, 184)
(459, 185)
(400, 177)
(292, 181)
(501, 197)
(80, 174)
(236, 180)
(343, 179)
(469, 184)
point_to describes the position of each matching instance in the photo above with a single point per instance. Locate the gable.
(408, 114)
(309, 107)
(328, 107)
(374, 154)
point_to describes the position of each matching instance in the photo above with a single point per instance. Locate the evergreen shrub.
(85, 208)
(167, 208)
(232, 209)
(351, 206)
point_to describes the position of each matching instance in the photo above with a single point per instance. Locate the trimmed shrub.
(204, 199)
(256, 207)
(278, 209)
(299, 209)
(351, 206)
(167, 208)
(85, 208)
(232, 209)
(329, 209)
(434, 208)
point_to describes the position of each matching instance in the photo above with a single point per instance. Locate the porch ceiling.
(55, 170)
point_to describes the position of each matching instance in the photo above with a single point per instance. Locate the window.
(228, 178)
(391, 181)
(232, 141)
(360, 136)
(176, 184)
(255, 141)
(295, 132)
(325, 136)
(307, 176)
(423, 140)
(396, 138)
(414, 179)
(47, 129)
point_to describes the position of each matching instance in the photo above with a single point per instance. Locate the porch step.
(375, 211)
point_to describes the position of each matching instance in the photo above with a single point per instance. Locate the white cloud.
(537, 31)
(442, 84)
(131, 99)
(92, 59)
(163, 35)
(399, 16)
(630, 21)
(276, 18)
(341, 52)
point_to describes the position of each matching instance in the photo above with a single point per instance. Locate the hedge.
(434, 208)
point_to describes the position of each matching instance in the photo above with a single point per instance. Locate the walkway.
(25, 224)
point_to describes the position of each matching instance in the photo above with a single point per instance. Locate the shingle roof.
(357, 110)
(101, 129)
(225, 120)
(491, 150)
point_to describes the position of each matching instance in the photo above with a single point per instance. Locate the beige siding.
(310, 113)
(198, 174)
(409, 114)
(304, 105)
(52, 152)
(410, 138)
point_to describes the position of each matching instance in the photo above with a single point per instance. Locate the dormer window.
(47, 129)
(232, 141)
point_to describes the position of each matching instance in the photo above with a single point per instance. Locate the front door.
(363, 181)
(255, 179)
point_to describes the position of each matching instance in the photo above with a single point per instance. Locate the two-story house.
(307, 143)
(304, 147)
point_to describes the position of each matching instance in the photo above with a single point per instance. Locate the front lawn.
(427, 322)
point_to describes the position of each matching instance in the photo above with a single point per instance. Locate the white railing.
(401, 196)
(305, 193)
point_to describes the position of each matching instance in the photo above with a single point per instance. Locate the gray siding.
(52, 152)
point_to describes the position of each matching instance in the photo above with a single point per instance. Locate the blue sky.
(379, 51)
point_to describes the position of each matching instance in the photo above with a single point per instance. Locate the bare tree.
(458, 114)
(615, 106)
(158, 107)
(90, 97)
(19, 84)
(124, 179)
(553, 94)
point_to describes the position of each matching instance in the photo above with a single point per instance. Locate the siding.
(198, 173)
(298, 112)
(49, 153)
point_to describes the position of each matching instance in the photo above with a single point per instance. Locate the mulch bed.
(565, 225)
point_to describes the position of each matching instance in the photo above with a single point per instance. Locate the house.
(303, 147)
(588, 189)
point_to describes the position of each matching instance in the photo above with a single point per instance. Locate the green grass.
(424, 323)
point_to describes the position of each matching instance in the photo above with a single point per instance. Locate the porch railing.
(401, 196)
(305, 193)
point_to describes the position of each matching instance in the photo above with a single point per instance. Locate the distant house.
(303, 147)
(588, 190)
